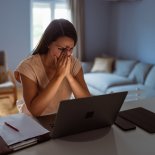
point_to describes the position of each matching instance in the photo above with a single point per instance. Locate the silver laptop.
(79, 115)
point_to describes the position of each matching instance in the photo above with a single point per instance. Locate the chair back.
(7, 81)
(2, 58)
(3, 69)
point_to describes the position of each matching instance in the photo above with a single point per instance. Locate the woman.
(51, 73)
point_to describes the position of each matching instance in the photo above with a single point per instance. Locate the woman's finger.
(60, 60)
(64, 58)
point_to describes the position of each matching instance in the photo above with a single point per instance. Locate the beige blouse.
(32, 67)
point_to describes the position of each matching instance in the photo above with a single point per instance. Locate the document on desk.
(20, 127)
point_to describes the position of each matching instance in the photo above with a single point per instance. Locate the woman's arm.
(36, 100)
(78, 85)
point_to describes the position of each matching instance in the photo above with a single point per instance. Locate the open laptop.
(83, 114)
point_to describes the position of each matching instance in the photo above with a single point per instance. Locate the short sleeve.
(76, 66)
(27, 70)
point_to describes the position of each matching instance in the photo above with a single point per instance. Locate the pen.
(12, 127)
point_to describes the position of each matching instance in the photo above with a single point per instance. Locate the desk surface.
(107, 141)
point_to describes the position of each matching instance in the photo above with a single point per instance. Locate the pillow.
(139, 72)
(124, 67)
(3, 74)
(149, 82)
(102, 65)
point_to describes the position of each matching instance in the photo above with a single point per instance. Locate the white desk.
(101, 142)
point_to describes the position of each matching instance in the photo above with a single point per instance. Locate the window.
(43, 12)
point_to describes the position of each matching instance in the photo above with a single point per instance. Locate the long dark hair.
(56, 29)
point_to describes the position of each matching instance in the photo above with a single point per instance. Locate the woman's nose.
(69, 52)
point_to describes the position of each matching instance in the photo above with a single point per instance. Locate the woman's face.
(62, 44)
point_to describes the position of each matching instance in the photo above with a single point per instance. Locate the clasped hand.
(63, 65)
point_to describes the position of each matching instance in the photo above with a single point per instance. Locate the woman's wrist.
(58, 77)
(69, 77)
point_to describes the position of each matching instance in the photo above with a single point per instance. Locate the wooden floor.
(6, 104)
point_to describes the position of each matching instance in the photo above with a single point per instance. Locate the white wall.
(123, 29)
(15, 30)
(133, 30)
(97, 20)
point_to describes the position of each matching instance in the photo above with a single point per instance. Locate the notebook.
(79, 115)
(18, 131)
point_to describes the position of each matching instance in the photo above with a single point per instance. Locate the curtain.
(77, 18)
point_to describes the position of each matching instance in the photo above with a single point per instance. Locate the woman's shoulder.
(31, 59)
(27, 67)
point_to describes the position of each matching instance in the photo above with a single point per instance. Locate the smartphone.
(124, 124)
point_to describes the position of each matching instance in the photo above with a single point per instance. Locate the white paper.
(27, 126)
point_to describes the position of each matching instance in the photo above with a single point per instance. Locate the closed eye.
(62, 49)
(65, 49)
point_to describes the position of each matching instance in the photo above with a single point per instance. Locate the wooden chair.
(7, 81)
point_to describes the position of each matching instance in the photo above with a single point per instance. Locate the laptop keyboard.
(47, 121)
